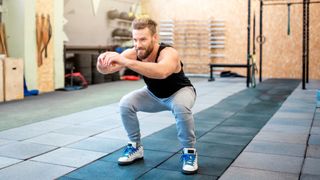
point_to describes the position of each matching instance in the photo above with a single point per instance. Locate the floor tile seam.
(280, 141)
(306, 148)
(61, 146)
(55, 164)
(54, 131)
(274, 155)
(211, 129)
(158, 164)
(28, 159)
(94, 151)
(65, 147)
(218, 157)
(19, 161)
(240, 147)
(270, 153)
(293, 121)
(243, 150)
(272, 118)
(50, 150)
(105, 131)
(198, 173)
(21, 140)
(174, 171)
(265, 130)
(264, 170)
(288, 133)
(11, 157)
(233, 135)
(311, 157)
(75, 135)
(273, 142)
(234, 114)
(308, 174)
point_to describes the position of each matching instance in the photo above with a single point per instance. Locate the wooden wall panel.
(1, 81)
(13, 79)
(282, 56)
(46, 70)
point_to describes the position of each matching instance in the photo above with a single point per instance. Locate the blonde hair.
(145, 22)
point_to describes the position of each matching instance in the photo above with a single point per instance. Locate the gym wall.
(20, 22)
(205, 10)
(85, 28)
(282, 54)
(46, 70)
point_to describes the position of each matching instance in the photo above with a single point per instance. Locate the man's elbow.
(164, 75)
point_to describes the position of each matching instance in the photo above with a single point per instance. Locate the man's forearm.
(108, 69)
(151, 70)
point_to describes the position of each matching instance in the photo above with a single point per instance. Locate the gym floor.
(270, 132)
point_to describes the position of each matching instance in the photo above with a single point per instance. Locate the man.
(167, 89)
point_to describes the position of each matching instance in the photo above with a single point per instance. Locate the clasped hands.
(110, 59)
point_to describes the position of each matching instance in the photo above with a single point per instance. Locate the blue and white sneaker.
(190, 161)
(130, 154)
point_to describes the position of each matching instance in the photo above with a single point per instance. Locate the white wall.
(58, 44)
(18, 16)
(19, 19)
(85, 28)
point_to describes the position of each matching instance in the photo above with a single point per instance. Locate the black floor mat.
(222, 130)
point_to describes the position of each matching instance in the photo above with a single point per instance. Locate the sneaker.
(130, 154)
(190, 161)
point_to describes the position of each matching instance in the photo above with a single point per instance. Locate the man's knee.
(125, 102)
(180, 108)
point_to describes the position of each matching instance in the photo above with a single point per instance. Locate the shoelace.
(188, 159)
(129, 150)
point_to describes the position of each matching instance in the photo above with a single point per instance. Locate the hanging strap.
(289, 4)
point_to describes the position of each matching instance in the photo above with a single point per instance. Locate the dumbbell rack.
(192, 42)
(190, 38)
(198, 42)
(217, 42)
(166, 31)
(124, 38)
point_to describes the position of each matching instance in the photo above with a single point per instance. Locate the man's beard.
(147, 52)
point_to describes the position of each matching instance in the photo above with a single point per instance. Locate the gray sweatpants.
(180, 104)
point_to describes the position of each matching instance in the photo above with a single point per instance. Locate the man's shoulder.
(168, 49)
(129, 53)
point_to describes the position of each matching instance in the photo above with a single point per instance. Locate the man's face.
(143, 42)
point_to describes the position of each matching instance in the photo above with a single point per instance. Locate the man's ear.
(156, 37)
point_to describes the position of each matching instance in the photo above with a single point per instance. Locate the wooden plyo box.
(1, 82)
(13, 79)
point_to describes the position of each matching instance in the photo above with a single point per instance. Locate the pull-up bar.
(275, 3)
(305, 36)
(288, 1)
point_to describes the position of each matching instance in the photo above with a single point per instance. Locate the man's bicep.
(170, 59)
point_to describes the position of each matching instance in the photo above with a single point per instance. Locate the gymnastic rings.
(261, 39)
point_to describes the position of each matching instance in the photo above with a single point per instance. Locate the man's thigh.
(142, 100)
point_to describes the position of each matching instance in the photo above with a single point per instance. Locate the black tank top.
(163, 88)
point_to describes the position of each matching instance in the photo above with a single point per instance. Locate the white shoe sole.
(189, 172)
(123, 163)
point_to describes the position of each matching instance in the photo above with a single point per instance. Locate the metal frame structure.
(305, 34)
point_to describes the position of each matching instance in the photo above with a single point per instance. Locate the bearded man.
(167, 89)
